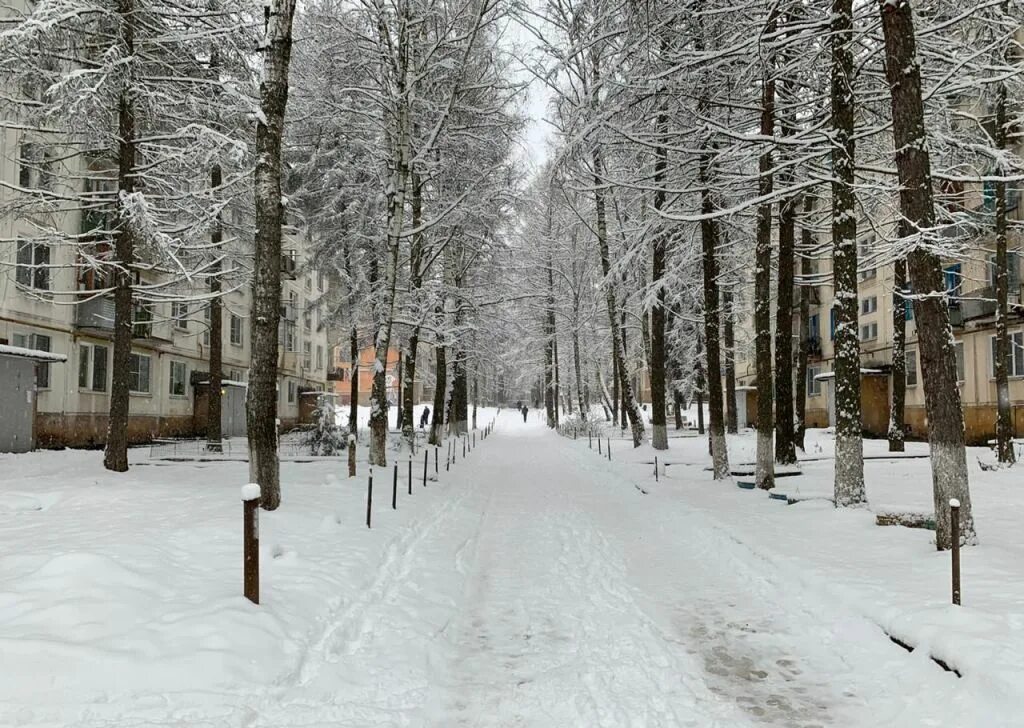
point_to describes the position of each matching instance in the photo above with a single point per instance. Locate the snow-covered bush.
(326, 437)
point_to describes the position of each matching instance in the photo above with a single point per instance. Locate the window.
(138, 373)
(864, 248)
(33, 265)
(208, 318)
(236, 330)
(320, 280)
(869, 305)
(1012, 271)
(813, 384)
(39, 342)
(813, 325)
(92, 367)
(908, 303)
(1015, 357)
(179, 372)
(954, 281)
(179, 312)
(142, 321)
(319, 356)
(911, 356)
(289, 336)
(235, 375)
(307, 359)
(307, 321)
(958, 351)
(309, 282)
(291, 392)
(831, 323)
(869, 332)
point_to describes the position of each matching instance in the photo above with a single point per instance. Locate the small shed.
(18, 395)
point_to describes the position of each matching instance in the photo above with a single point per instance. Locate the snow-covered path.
(547, 591)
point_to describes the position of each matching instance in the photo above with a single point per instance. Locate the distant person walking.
(425, 417)
(526, 411)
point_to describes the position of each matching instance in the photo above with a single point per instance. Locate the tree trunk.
(659, 254)
(261, 401)
(804, 352)
(615, 390)
(1004, 425)
(415, 284)
(698, 394)
(115, 456)
(849, 470)
(899, 357)
(731, 415)
(213, 400)
(476, 397)
(935, 336)
(353, 405)
(764, 475)
(709, 245)
(398, 403)
(556, 379)
(785, 446)
(582, 395)
(440, 385)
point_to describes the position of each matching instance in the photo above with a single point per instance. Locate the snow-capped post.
(426, 456)
(369, 496)
(394, 489)
(352, 456)
(954, 523)
(251, 542)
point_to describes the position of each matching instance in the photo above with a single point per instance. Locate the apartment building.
(52, 302)
(341, 374)
(971, 298)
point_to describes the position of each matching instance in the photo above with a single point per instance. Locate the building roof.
(36, 354)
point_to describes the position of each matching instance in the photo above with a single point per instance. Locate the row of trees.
(709, 156)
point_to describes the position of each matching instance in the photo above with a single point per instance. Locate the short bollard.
(463, 448)
(599, 451)
(954, 522)
(410, 475)
(609, 448)
(448, 458)
(369, 496)
(394, 490)
(590, 440)
(655, 468)
(352, 456)
(425, 461)
(474, 439)
(251, 542)
(436, 448)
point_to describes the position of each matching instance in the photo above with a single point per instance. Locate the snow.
(38, 354)
(534, 584)
(251, 492)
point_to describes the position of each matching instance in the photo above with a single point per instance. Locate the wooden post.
(394, 490)
(369, 497)
(352, 456)
(954, 514)
(425, 461)
(251, 542)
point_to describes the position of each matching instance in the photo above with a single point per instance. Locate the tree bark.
(440, 385)
(659, 254)
(764, 475)
(712, 316)
(785, 445)
(848, 483)
(353, 405)
(1004, 424)
(899, 357)
(935, 336)
(213, 400)
(804, 352)
(115, 456)
(731, 415)
(415, 284)
(261, 401)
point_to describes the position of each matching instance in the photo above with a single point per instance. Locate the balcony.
(336, 375)
(96, 314)
(813, 344)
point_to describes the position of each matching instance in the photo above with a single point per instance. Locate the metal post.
(410, 475)
(599, 452)
(352, 456)
(609, 448)
(251, 542)
(464, 448)
(655, 468)
(436, 448)
(590, 439)
(425, 460)
(369, 496)
(954, 515)
(448, 457)
(394, 490)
